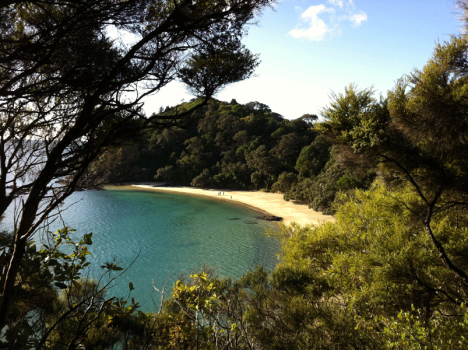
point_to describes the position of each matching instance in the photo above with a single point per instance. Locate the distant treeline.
(236, 146)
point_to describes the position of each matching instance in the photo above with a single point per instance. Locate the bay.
(164, 235)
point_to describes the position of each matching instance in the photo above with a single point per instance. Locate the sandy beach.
(269, 203)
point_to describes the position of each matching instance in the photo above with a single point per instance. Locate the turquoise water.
(170, 234)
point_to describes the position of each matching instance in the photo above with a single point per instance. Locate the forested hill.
(236, 146)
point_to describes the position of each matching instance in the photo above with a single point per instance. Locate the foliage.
(314, 157)
(284, 183)
(409, 330)
(416, 136)
(57, 306)
(193, 326)
(203, 180)
(229, 145)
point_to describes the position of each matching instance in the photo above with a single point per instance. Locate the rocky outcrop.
(270, 218)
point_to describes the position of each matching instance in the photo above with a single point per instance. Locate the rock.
(270, 218)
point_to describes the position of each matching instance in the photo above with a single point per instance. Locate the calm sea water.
(170, 234)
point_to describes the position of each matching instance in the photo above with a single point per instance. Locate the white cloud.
(313, 11)
(358, 18)
(317, 28)
(336, 3)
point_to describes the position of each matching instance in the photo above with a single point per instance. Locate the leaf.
(87, 238)
(234, 328)
(130, 285)
(60, 285)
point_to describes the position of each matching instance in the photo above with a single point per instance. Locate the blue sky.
(310, 48)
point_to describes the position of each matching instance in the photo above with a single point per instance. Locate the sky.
(310, 48)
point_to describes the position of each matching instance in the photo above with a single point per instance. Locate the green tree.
(265, 165)
(313, 158)
(284, 183)
(203, 180)
(289, 148)
(309, 118)
(417, 136)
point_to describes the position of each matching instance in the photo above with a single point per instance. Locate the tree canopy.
(418, 135)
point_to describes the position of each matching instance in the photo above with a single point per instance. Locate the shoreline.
(268, 203)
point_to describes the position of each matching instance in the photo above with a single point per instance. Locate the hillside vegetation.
(230, 145)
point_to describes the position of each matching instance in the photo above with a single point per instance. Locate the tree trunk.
(10, 278)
